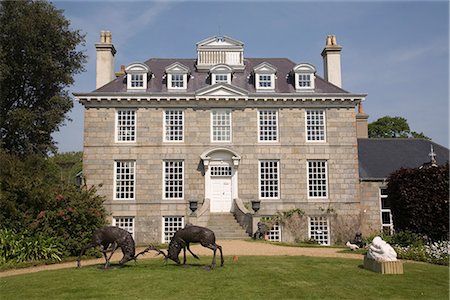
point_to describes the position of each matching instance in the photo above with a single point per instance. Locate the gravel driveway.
(229, 247)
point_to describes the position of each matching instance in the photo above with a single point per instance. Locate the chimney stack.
(105, 59)
(332, 61)
(362, 125)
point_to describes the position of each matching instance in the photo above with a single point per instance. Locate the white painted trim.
(324, 125)
(326, 176)
(211, 125)
(164, 125)
(164, 181)
(259, 127)
(264, 88)
(115, 180)
(169, 82)
(116, 126)
(278, 176)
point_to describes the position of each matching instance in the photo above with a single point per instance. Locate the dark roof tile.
(378, 158)
(240, 79)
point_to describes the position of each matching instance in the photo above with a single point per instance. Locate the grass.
(251, 277)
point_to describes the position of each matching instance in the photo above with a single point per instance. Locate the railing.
(242, 215)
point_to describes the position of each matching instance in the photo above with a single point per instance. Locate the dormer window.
(220, 78)
(304, 76)
(177, 76)
(265, 77)
(177, 81)
(137, 75)
(137, 80)
(265, 81)
(221, 74)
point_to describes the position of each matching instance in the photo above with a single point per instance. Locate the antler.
(151, 247)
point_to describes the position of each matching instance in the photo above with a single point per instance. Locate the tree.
(393, 127)
(419, 201)
(38, 59)
(36, 199)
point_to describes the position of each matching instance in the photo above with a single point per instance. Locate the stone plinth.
(385, 267)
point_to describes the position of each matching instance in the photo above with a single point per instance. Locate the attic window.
(137, 75)
(265, 77)
(265, 81)
(304, 76)
(137, 80)
(177, 81)
(177, 76)
(221, 74)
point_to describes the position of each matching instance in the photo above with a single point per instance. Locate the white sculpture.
(381, 251)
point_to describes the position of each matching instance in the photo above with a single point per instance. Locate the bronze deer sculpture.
(192, 234)
(115, 237)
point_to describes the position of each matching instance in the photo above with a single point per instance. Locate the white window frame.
(137, 69)
(264, 189)
(221, 70)
(274, 234)
(214, 137)
(259, 83)
(315, 177)
(136, 81)
(304, 81)
(175, 223)
(389, 226)
(130, 188)
(315, 132)
(126, 223)
(171, 79)
(170, 134)
(168, 182)
(321, 235)
(265, 132)
(122, 130)
(221, 78)
(300, 71)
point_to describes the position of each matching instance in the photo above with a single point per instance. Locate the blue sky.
(396, 52)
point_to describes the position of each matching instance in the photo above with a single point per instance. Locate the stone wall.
(292, 151)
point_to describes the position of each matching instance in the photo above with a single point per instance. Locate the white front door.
(221, 194)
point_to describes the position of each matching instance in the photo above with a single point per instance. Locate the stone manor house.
(222, 140)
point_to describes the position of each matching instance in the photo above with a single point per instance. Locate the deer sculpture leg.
(214, 248)
(90, 245)
(191, 251)
(109, 258)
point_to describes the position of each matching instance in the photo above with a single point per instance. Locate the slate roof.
(240, 79)
(378, 158)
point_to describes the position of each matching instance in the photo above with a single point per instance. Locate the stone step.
(225, 226)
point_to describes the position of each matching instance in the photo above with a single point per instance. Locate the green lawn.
(279, 277)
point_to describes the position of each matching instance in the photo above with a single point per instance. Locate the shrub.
(433, 252)
(23, 247)
(33, 199)
(72, 215)
(419, 201)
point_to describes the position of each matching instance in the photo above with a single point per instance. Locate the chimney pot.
(332, 61)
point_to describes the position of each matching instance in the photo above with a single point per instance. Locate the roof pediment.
(177, 67)
(304, 68)
(219, 42)
(221, 68)
(265, 68)
(137, 68)
(221, 90)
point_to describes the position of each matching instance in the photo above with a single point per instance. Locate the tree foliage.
(393, 127)
(38, 58)
(420, 201)
(33, 199)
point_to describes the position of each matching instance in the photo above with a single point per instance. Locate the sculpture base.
(385, 267)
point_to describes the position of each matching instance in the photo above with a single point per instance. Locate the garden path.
(229, 247)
